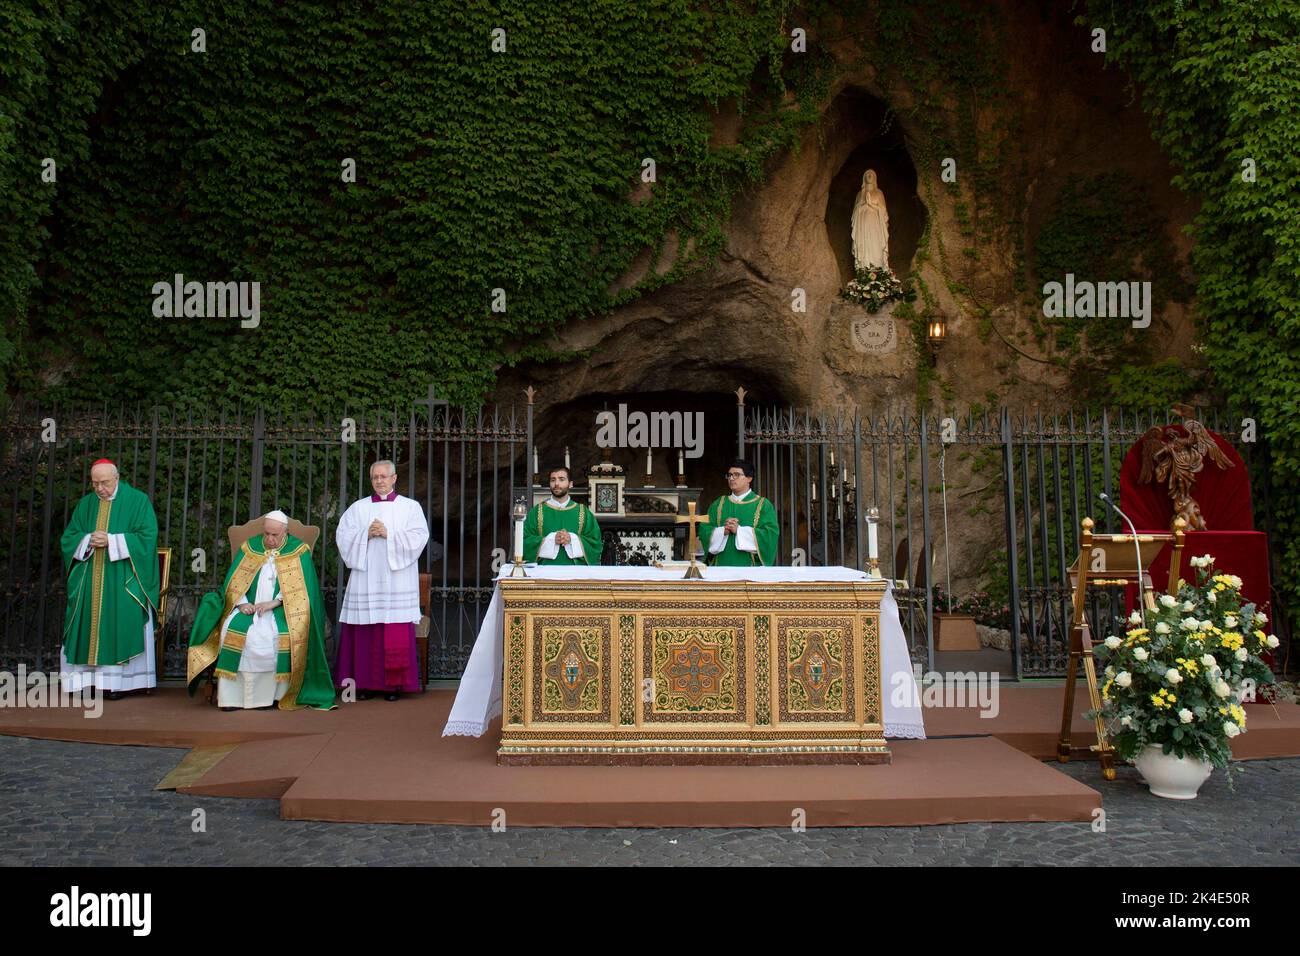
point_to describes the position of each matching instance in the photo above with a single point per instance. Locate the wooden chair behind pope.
(1106, 561)
(238, 534)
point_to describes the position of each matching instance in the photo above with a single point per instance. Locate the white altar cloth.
(478, 700)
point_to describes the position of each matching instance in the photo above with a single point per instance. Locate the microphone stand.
(1142, 572)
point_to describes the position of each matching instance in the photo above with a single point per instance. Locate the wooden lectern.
(1107, 560)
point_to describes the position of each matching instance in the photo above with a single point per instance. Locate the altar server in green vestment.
(740, 529)
(266, 629)
(561, 530)
(110, 555)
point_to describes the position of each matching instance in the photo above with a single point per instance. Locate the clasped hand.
(377, 529)
(562, 538)
(261, 607)
(99, 539)
(732, 525)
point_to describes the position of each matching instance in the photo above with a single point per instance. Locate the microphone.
(1142, 576)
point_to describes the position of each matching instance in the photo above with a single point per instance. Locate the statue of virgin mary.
(870, 225)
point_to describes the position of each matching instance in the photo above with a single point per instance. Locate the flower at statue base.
(1179, 680)
(875, 286)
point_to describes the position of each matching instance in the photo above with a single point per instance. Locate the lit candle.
(814, 490)
(649, 462)
(681, 462)
(566, 456)
(832, 459)
(536, 468)
(834, 485)
(519, 539)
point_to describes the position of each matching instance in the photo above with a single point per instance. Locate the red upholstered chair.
(1223, 495)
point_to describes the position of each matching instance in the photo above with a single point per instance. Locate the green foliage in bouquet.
(874, 287)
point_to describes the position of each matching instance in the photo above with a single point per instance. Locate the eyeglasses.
(734, 474)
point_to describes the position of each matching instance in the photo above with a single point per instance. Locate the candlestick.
(520, 512)
(873, 545)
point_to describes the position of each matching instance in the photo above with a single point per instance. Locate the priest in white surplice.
(381, 538)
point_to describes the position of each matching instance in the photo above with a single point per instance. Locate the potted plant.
(1174, 684)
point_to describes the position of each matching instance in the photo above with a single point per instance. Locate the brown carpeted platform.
(386, 762)
(1029, 719)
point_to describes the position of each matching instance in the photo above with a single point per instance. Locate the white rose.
(1140, 653)
(1168, 600)
(1173, 676)
(1162, 628)
(1230, 728)
(1221, 689)
(1241, 654)
(1234, 581)
(1208, 660)
(1189, 624)
(1229, 621)
(1186, 716)
(1272, 640)
(1110, 671)
(1135, 618)
(1123, 678)
(1188, 606)
(1261, 617)
(1206, 625)
(1126, 721)
(1113, 642)
(1212, 597)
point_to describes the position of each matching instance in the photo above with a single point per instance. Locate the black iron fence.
(1017, 485)
(1011, 487)
(207, 469)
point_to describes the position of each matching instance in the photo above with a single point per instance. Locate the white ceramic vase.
(1178, 778)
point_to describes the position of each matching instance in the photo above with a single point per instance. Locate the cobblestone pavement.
(48, 815)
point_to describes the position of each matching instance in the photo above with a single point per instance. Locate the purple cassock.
(379, 656)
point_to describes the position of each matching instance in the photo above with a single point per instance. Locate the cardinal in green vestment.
(740, 529)
(266, 628)
(561, 530)
(110, 556)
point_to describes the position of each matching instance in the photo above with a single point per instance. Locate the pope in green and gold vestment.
(110, 556)
(266, 629)
(740, 529)
(561, 530)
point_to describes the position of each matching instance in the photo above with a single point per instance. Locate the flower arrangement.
(1176, 681)
(875, 286)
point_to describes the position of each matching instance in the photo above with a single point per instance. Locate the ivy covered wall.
(519, 169)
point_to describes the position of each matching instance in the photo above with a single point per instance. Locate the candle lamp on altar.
(519, 513)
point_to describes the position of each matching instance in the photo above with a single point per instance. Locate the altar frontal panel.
(691, 672)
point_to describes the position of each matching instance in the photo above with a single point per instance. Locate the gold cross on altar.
(692, 519)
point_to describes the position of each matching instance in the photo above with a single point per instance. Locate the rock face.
(695, 341)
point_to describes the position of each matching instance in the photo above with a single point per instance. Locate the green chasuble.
(109, 601)
(574, 518)
(754, 512)
(300, 621)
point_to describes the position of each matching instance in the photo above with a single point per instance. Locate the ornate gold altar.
(691, 672)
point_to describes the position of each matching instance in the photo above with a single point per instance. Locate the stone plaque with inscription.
(874, 334)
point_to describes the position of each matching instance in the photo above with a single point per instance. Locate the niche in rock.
(879, 143)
